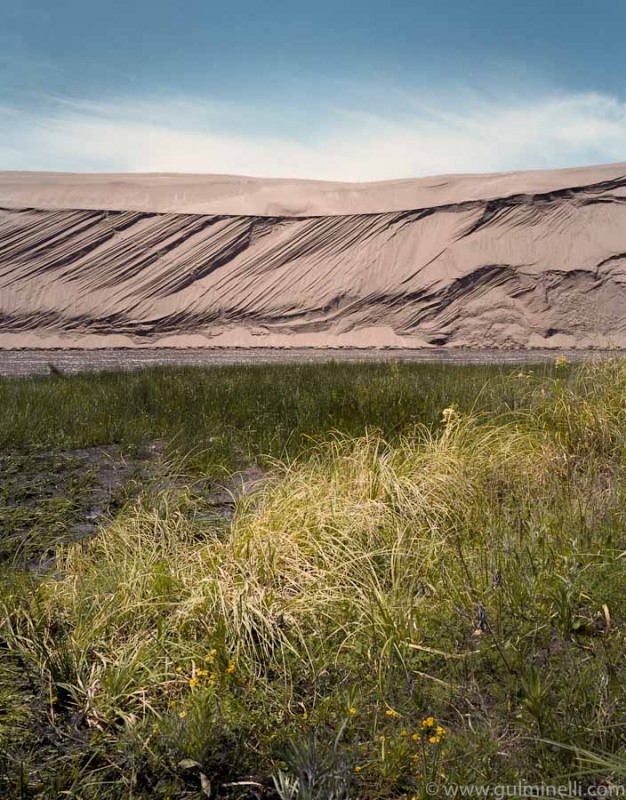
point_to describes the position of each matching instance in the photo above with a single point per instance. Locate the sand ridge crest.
(248, 196)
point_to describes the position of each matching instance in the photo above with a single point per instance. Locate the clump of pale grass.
(338, 551)
(585, 408)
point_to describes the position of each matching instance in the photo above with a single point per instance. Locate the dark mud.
(59, 497)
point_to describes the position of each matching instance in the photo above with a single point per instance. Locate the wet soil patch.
(50, 498)
(47, 498)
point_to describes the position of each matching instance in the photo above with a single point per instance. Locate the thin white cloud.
(423, 138)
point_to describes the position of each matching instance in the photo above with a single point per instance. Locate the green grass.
(411, 596)
(229, 415)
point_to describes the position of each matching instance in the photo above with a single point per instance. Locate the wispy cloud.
(452, 134)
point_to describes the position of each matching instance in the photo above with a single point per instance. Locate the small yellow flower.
(358, 768)
(404, 732)
(439, 730)
(428, 722)
(193, 682)
(305, 715)
(182, 714)
(231, 667)
(391, 713)
(201, 673)
(434, 739)
(352, 710)
(179, 670)
(416, 737)
(172, 703)
(54, 698)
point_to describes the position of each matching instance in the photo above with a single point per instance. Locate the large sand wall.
(530, 259)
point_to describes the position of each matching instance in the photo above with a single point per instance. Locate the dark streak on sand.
(41, 362)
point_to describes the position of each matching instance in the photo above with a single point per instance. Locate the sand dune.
(529, 259)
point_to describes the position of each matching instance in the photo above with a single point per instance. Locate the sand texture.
(516, 260)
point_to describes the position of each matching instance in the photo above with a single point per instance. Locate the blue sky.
(341, 90)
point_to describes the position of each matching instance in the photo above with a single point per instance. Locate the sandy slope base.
(245, 339)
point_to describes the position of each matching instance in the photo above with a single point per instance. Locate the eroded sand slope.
(512, 260)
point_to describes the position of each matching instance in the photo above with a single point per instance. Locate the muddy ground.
(62, 496)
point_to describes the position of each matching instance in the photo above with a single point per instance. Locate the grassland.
(426, 588)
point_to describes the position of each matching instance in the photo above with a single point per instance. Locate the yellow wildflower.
(352, 710)
(193, 682)
(439, 730)
(305, 715)
(172, 703)
(391, 713)
(182, 714)
(428, 722)
(358, 768)
(179, 670)
(434, 739)
(231, 667)
(416, 737)
(404, 732)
